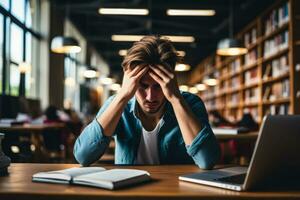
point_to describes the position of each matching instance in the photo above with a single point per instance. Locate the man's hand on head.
(167, 80)
(131, 80)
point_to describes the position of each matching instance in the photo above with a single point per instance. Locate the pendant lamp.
(231, 46)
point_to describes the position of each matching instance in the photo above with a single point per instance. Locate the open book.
(94, 176)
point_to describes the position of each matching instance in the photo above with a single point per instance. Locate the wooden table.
(165, 185)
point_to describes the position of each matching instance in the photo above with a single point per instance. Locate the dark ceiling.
(207, 30)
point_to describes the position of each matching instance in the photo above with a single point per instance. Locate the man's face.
(149, 95)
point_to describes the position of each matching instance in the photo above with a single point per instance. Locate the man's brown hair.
(151, 50)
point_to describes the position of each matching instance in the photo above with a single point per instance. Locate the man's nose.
(150, 94)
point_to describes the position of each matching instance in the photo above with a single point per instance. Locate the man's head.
(150, 50)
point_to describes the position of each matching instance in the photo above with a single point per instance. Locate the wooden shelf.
(251, 104)
(279, 53)
(291, 103)
(277, 101)
(250, 86)
(274, 79)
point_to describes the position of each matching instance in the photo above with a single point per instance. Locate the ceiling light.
(115, 87)
(180, 12)
(123, 52)
(61, 44)
(106, 80)
(184, 88)
(193, 90)
(123, 11)
(134, 38)
(201, 87)
(90, 73)
(231, 47)
(210, 81)
(181, 53)
(182, 67)
(24, 67)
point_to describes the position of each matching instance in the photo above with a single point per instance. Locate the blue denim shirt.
(204, 150)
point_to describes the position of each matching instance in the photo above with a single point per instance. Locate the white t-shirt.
(148, 149)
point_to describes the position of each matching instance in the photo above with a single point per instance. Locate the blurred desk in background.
(36, 136)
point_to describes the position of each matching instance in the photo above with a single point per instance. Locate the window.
(4, 4)
(16, 43)
(18, 9)
(14, 79)
(1, 49)
(22, 45)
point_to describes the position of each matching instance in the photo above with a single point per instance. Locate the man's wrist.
(122, 98)
(175, 100)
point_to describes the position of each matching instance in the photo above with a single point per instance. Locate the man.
(151, 120)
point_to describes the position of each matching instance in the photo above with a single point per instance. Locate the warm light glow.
(106, 80)
(123, 52)
(182, 67)
(232, 51)
(24, 67)
(115, 87)
(90, 73)
(123, 11)
(15, 149)
(66, 49)
(184, 88)
(181, 12)
(70, 82)
(181, 53)
(201, 87)
(179, 38)
(211, 81)
(134, 38)
(193, 90)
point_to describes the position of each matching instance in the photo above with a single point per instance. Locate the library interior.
(164, 99)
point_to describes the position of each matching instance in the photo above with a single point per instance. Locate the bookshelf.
(267, 79)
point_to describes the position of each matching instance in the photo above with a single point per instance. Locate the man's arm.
(196, 132)
(94, 139)
(111, 116)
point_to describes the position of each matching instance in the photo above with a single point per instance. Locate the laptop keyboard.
(236, 179)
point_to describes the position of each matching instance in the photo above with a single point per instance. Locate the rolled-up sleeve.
(92, 143)
(204, 149)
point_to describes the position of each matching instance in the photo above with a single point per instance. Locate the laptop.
(276, 159)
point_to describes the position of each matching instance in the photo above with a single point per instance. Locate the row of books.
(234, 83)
(277, 67)
(251, 95)
(276, 44)
(235, 66)
(251, 76)
(277, 18)
(234, 99)
(250, 37)
(282, 109)
(277, 91)
(251, 57)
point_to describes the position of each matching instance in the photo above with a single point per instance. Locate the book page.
(67, 174)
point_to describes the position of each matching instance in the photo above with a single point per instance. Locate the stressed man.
(151, 120)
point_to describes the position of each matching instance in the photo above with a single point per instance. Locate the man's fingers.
(156, 77)
(135, 70)
(160, 73)
(166, 70)
(142, 72)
